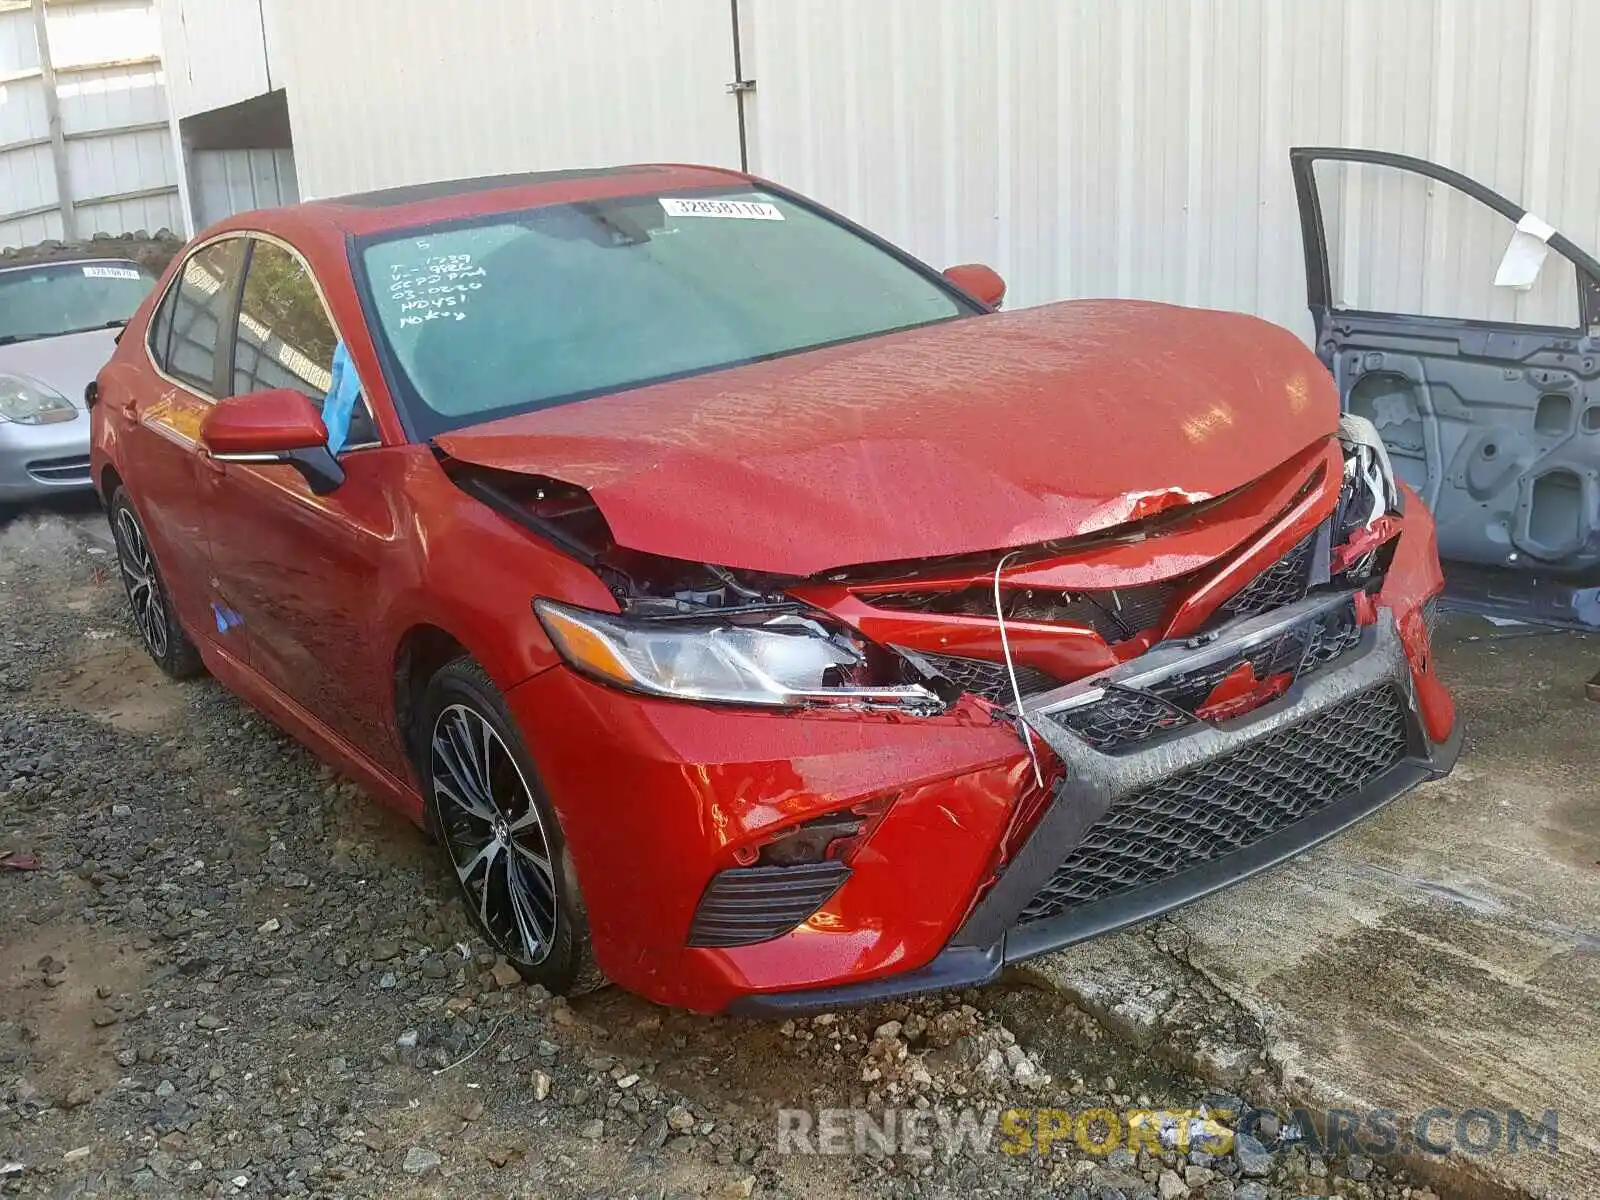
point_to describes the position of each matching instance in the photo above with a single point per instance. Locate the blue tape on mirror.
(340, 401)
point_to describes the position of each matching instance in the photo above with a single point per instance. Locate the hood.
(972, 435)
(66, 363)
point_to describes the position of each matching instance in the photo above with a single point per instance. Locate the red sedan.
(758, 618)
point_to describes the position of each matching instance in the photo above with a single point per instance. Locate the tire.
(164, 639)
(490, 813)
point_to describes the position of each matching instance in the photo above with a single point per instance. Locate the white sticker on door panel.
(1525, 254)
(111, 273)
(741, 210)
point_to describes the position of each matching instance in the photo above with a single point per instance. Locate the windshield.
(527, 310)
(51, 299)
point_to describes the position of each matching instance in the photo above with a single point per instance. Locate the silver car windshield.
(52, 299)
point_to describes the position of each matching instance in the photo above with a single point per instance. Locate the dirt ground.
(233, 975)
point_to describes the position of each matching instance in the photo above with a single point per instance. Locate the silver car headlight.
(773, 659)
(29, 402)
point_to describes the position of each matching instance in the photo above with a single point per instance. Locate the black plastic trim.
(1175, 891)
(956, 967)
(745, 905)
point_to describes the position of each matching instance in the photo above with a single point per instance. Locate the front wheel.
(501, 833)
(159, 629)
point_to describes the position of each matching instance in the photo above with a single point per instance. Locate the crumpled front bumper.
(1357, 720)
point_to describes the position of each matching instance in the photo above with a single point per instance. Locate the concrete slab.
(1445, 954)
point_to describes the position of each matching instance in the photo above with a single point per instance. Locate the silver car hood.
(66, 363)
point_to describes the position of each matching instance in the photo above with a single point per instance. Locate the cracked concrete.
(1445, 954)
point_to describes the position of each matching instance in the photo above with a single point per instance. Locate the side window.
(160, 335)
(204, 296)
(286, 339)
(1400, 242)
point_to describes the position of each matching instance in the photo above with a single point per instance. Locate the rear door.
(161, 407)
(1465, 329)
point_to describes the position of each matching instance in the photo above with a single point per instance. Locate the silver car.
(58, 323)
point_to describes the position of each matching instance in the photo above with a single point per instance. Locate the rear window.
(54, 299)
(529, 309)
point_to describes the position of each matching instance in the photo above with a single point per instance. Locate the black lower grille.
(988, 679)
(1121, 720)
(1231, 802)
(754, 904)
(60, 470)
(1284, 582)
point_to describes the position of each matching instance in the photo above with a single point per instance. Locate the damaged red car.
(758, 618)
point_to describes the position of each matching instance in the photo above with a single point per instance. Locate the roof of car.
(454, 199)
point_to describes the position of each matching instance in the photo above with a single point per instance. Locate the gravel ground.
(233, 975)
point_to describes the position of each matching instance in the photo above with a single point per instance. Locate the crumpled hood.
(971, 435)
(66, 363)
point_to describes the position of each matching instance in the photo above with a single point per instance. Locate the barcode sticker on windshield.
(744, 210)
(111, 273)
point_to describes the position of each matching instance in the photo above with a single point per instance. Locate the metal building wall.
(383, 92)
(225, 182)
(1084, 147)
(120, 167)
(1139, 147)
(216, 52)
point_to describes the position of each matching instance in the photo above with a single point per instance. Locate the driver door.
(297, 574)
(1465, 329)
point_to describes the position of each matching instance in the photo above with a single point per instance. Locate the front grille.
(1123, 719)
(988, 679)
(1284, 582)
(755, 904)
(60, 470)
(1114, 615)
(1230, 802)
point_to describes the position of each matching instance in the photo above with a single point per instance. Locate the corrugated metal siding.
(113, 117)
(216, 52)
(230, 181)
(1140, 148)
(1085, 148)
(436, 92)
(27, 179)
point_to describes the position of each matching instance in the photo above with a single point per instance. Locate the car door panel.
(1491, 412)
(295, 574)
(161, 410)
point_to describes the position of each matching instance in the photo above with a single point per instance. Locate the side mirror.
(978, 281)
(278, 426)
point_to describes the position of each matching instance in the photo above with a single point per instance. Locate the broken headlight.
(773, 658)
(1369, 489)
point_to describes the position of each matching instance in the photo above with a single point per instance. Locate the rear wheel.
(152, 608)
(501, 833)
